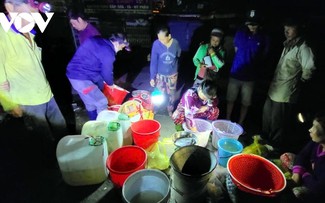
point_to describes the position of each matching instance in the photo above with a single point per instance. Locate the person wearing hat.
(209, 58)
(24, 88)
(92, 66)
(251, 49)
(296, 65)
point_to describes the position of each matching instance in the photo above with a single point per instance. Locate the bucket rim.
(140, 121)
(256, 191)
(235, 141)
(108, 161)
(146, 172)
(195, 146)
(227, 121)
(199, 119)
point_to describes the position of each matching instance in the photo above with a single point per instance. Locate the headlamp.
(43, 7)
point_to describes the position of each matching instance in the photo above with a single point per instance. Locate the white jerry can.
(82, 159)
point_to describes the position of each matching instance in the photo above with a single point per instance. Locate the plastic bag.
(157, 156)
(256, 147)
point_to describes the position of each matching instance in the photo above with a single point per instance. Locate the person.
(308, 166)
(296, 65)
(79, 21)
(212, 53)
(91, 66)
(164, 62)
(23, 82)
(251, 50)
(197, 102)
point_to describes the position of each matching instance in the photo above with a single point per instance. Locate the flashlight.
(157, 97)
(43, 7)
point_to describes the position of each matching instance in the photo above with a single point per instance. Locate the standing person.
(164, 64)
(78, 20)
(23, 81)
(91, 66)
(209, 58)
(295, 66)
(251, 48)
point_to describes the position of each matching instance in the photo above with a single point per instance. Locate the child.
(197, 102)
(308, 166)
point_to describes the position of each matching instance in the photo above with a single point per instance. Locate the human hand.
(16, 112)
(202, 65)
(203, 109)
(152, 82)
(211, 51)
(296, 178)
(5, 86)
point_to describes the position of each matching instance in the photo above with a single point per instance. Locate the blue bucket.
(226, 148)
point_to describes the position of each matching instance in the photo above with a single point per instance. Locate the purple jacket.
(310, 164)
(89, 31)
(93, 61)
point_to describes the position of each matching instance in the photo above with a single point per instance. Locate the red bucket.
(124, 161)
(145, 132)
(256, 175)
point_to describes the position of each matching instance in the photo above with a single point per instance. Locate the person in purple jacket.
(91, 66)
(165, 53)
(308, 166)
(78, 21)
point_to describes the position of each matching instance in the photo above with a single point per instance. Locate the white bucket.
(204, 129)
(146, 185)
(225, 129)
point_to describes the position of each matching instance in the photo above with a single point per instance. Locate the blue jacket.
(164, 61)
(251, 51)
(93, 61)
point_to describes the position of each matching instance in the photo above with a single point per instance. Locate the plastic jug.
(114, 136)
(82, 159)
(95, 128)
(125, 122)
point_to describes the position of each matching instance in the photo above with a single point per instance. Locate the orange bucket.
(124, 161)
(145, 132)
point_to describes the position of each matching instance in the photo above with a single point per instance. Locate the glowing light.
(157, 97)
(300, 118)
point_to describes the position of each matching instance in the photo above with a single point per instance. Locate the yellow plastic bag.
(157, 157)
(256, 147)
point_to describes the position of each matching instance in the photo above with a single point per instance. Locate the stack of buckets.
(192, 166)
(225, 138)
(126, 160)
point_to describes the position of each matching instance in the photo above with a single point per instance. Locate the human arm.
(307, 61)
(153, 64)
(199, 55)
(302, 162)
(107, 63)
(218, 58)
(7, 104)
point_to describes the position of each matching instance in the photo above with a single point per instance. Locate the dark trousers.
(278, 123)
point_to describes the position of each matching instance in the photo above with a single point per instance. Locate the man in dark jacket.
(91, 66)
